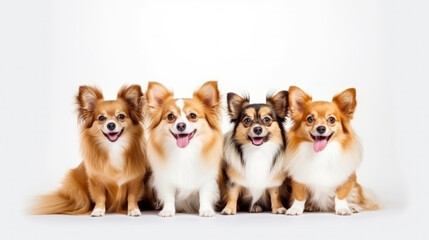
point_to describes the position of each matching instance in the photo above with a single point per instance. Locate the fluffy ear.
(236, 103)
(86, 100)
(298, 100)
(133, 96)
(346, 102)
(156, 94)
(280, 103)
(208, 94)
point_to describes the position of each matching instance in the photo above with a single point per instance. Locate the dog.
(110, 178)
(185, 148)
(253, 165)
(322, 155)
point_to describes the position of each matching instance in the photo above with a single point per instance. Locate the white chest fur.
(184, 169)
(324, 171)
(116, 151)
(258, 174)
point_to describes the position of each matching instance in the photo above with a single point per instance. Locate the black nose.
(111, 126)
(321, 129)
(257, 130)
(181, 127)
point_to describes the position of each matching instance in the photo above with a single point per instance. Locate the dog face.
(258, 123)
(109, 120)
(182, 120)
(321, 122)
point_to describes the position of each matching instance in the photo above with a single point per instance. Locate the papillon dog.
(254, 168)
(323, 154)
(110, 178)
(185, 148)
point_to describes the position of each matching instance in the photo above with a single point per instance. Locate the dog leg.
(232, 195)
(299, 194)
(98, 195)
(209, 193)
(276, 204)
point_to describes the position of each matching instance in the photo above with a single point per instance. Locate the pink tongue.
(182, 140)
(257, 141)
(113, 137)
(320, 144)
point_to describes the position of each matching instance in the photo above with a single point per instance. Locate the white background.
(49, 48)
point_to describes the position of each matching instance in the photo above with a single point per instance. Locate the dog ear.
(280, 103)
(208, 94)
(298, 101)
(156, 94)
(133, 96)
(346, 102)
(86, 100)
(236, 103)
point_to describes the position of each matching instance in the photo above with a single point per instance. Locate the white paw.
(134, 213)
(355, 208)
(343, 211)
(228, 211)
(293, 211)
(207, 213)
(256, 209)
(98, 212)
(167, 213)
(280, 210)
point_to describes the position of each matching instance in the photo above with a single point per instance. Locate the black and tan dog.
(253, 166)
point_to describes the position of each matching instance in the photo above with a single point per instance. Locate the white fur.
(297, 208)
(134, 213)
(342, 207)
(98, 212)
(324, 171)
(257, 171)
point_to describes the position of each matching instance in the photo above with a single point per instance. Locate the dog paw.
(256, 209)
(228, 211)
(207, 213)
(344, 211)
(167, 213)
(355, 208)
(134, 212)
(280, 210)
(294, 211)
(98, 212)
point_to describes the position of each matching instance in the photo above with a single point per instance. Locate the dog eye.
(331, 120)
(267, 120)
(121, 116)
(310, 119)
(101, 118)
(170, 117)
(247, 121)
(193, 116)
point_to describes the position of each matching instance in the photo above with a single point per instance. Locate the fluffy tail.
(72, 198)
(369, 199)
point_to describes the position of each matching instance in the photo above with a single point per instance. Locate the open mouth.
(183, 139)
(258, 141)
(320, 142)
(113, 136)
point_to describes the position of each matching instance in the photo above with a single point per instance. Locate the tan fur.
(96, 181)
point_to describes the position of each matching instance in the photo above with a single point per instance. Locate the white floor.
(382, 224)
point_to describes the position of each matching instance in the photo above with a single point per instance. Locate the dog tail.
(369, 199)
(72, 197)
